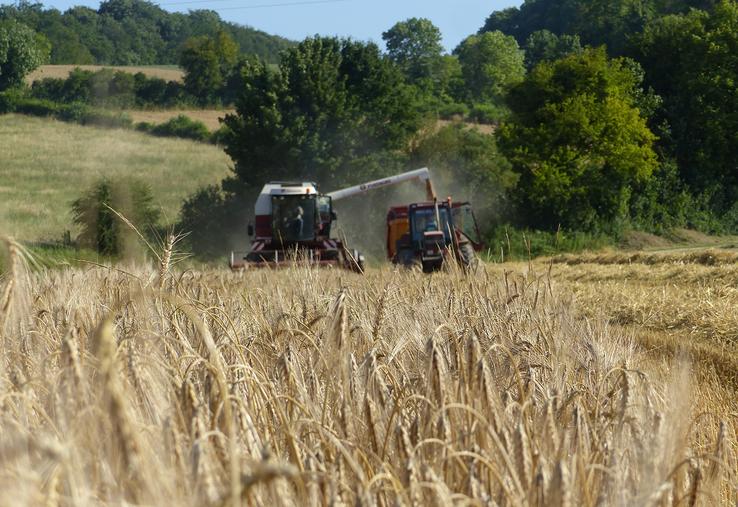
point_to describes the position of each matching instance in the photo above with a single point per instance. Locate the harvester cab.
(293, 222)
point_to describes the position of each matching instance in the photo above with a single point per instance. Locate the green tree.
(208, 62)
(335, 111)
(578, 141)
(490, 64)
(692, 62)
(545, 46)
(597, 22)
(21, 51)
(415, 45)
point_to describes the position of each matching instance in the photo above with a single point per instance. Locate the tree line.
(131, 32)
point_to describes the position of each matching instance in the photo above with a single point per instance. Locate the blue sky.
(360, 19)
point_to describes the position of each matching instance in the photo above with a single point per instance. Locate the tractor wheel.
(467, 256)
(406, 258)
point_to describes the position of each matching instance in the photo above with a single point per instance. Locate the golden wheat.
(308, 387)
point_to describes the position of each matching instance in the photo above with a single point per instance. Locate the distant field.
(210, 117)
(47, 164)
(168, 72)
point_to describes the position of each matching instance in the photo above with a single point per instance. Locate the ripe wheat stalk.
(306, 387)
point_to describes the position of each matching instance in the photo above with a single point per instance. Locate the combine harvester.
(293, 222)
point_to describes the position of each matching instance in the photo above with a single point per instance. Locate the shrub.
(9, 100)
(37, 107)
(73, 113)
(102, 229)
(454, 109)
(182, 126)
(487, 113)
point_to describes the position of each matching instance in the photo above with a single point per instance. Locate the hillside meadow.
(47, 164)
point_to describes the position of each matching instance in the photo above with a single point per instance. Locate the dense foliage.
(208, 63)
(21, 51)
(132, 32)
(109, 88)
(578, 140)
(692, 62)
(490, 64)
(597, 22)
(333, 112)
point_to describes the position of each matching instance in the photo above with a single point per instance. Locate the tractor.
(426, 234)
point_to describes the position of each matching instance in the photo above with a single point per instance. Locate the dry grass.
(46, 164)
(210, 117)
(308, 387)
(168, 72)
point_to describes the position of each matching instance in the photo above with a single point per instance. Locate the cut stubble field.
(46, 164)
(509, 386)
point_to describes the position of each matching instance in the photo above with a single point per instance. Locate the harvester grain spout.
(419, 174)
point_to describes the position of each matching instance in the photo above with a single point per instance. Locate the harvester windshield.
(293, 217)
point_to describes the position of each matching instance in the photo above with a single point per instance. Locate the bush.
(37, 107)
(182, 126)
(9, 99)
(487, 113)
(112, 89)
(102, 229)
(452, 110)
(73, 113)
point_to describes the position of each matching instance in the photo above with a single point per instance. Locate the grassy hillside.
(47, 164)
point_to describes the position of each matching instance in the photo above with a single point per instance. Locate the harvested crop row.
(702, 257)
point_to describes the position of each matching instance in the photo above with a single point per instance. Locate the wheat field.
(149, 385)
